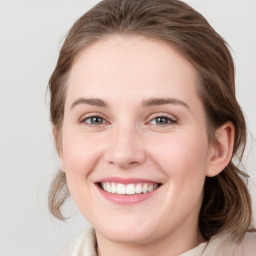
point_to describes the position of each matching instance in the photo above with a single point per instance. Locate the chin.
(127, 232)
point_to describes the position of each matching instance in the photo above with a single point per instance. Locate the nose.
(125, 148)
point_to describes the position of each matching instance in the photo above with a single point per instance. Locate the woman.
(146, 125)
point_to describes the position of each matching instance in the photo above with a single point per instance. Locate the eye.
(162, 120)
(94, 120)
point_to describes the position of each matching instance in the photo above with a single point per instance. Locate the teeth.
(129, 189)
(120, 189)
(138, 189)
(145, 188)
(108, 187)
(150, 188)
(113, 188)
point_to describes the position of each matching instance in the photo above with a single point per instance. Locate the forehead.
(131, 66)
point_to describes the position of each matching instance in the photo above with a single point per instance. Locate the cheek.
(186, 152)
(79, 153)
(183, 159)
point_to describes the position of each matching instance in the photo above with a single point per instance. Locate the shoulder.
(248, 245)
(85, 244)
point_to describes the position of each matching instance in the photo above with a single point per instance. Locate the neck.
(168, 245)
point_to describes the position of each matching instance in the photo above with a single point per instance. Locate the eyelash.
(90, 118)
(168, 119)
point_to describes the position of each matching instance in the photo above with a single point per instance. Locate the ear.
(57, 139)
(222, 149)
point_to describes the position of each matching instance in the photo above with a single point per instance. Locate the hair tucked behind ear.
(226, 204)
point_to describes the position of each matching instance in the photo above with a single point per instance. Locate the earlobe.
(223, 149)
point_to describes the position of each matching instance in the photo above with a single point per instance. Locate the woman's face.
(135, 126)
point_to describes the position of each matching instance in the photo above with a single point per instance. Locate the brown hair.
(226, 204)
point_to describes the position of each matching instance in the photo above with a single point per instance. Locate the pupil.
(96, 120)
(161, 120)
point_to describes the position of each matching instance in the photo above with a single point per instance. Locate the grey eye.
(95, 120)
(161, 120)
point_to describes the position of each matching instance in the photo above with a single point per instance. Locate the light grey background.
(31, 34)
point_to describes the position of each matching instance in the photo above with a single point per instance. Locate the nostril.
(123, 161)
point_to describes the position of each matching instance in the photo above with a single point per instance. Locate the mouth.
(125, 191)
(128, 189)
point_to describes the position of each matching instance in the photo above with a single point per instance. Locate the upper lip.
(126, 180)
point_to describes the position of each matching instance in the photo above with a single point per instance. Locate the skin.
(128, 142)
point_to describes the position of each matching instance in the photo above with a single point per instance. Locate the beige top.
(219, 245)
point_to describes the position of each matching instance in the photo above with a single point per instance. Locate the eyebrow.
(150, 102)
(89, 101)
(162, 101)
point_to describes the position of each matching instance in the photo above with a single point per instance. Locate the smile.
(128, 189)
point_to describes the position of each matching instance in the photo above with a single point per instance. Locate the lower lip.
(126, 199)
